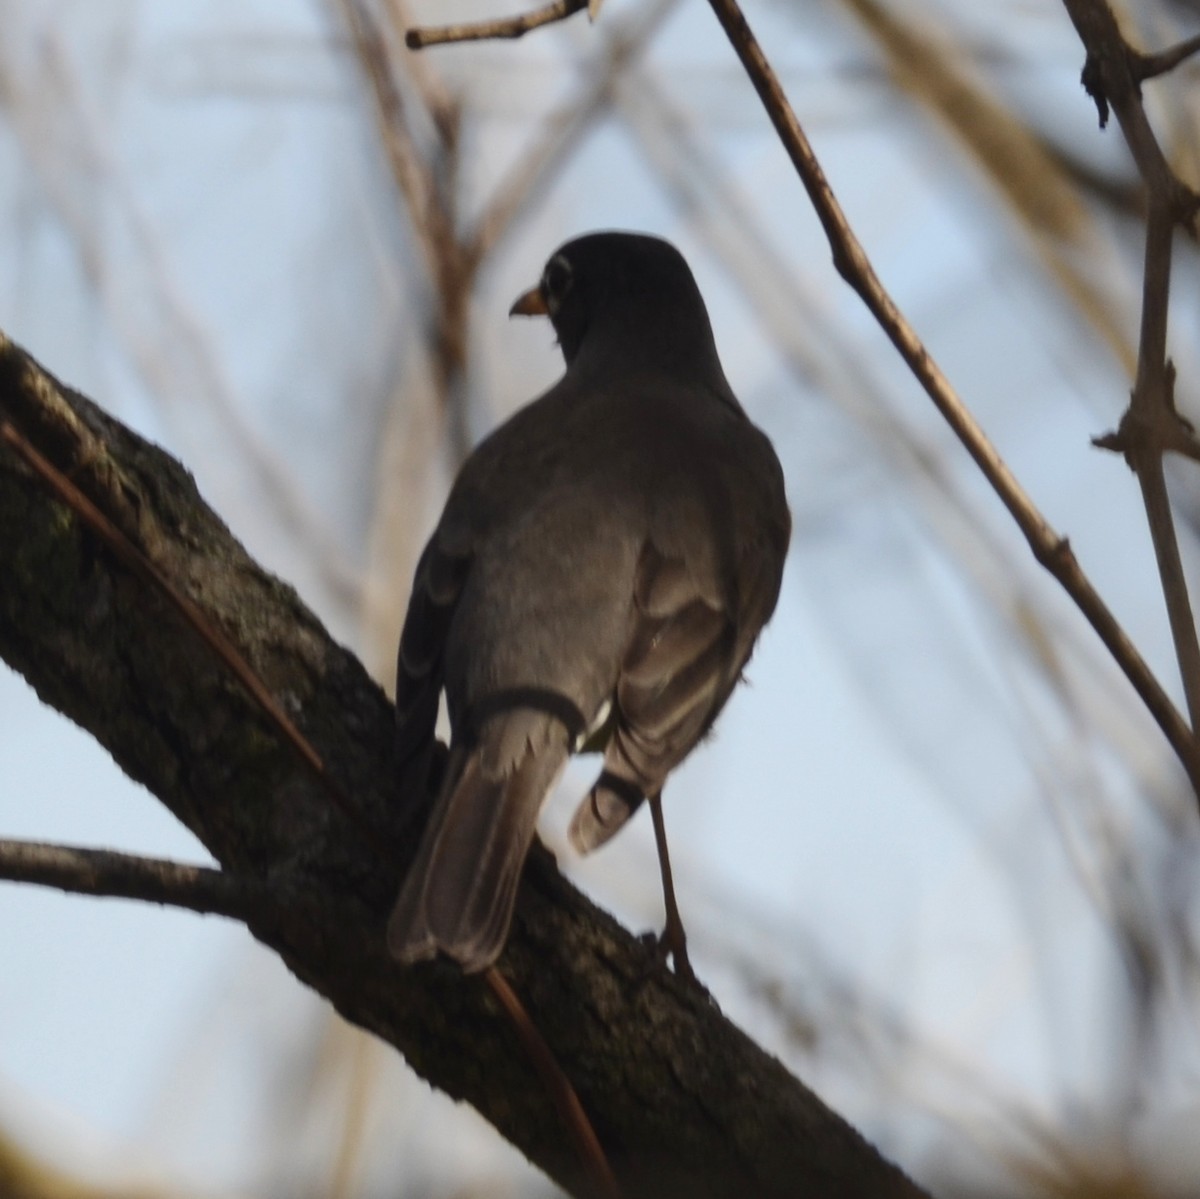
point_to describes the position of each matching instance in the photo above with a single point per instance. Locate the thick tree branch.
(682, 1101)
(105, 873)
(124, 549)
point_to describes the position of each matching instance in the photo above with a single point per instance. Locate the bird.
(599, 575)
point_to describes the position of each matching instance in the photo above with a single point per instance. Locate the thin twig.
(103, 872)
(1153, 403)
(1050, 549)
(1148, 66)
(505, 27)
(559, 1087)
(1151, 426)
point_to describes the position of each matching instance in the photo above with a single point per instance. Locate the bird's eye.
(556, 282)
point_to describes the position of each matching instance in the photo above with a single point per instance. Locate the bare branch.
(1151, 426)
(141, 565)
(1148, 66)
(97, 872)
(89, 635)
(104, 872)
(505, 27)
(1049, 548)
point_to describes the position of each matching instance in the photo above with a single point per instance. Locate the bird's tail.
(604, 810)
(459, 895)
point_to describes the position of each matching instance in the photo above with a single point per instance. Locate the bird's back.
(614, 548)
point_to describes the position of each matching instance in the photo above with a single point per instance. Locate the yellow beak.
(530, 303)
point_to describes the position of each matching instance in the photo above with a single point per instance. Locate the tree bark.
(683, 1102)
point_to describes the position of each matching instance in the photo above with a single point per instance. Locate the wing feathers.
(436, 587)
(676, 671)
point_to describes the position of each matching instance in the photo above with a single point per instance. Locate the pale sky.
(197, 230)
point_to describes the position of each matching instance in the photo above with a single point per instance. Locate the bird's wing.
(437, 586)
(508, 747)
(680, 664)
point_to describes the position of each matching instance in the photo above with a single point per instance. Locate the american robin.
(602, 568)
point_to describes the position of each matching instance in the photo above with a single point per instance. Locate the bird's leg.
(673, 939)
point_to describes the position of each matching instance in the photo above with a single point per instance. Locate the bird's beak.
(530, 303)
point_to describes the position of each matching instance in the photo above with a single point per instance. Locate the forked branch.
(1049, 548)
(1151, 426)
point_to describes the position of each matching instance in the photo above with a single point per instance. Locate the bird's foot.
(666, 945)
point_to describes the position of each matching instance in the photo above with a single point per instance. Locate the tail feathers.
(459, 895)
(602, 812)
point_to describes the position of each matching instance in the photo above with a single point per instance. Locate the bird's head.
(626, 299)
